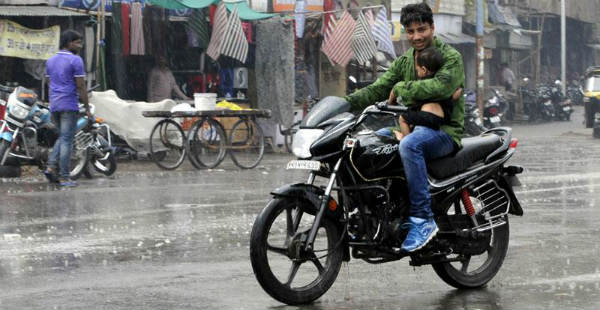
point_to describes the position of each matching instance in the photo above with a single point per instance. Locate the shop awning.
(500, 15)
(245, 12)
(36, 10)
(456, 38)
(519, 40)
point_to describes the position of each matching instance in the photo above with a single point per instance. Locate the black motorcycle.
(300, 239)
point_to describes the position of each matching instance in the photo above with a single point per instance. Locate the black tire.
(588, 115)
(167, 144)
(246, 144)
(106, 166)
(463, 277)
(10, 171)
(206, 144)
(265, 266)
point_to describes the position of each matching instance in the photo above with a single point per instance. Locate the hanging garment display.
(89, 47)
(125, 27)
(338, 47)
(226, 86)
(116, 39)
(274, 68)
(382, 33)
(219, 28)
(300, 17)
(234, 43)
(137, 29)
(197, 22)
(363, 44)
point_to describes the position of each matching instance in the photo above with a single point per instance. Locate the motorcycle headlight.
(18, 112)
(303, 139)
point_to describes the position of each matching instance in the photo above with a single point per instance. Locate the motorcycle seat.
(474, 150)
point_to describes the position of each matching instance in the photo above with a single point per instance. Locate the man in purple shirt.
(67, 88)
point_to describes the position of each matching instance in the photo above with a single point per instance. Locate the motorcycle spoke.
(465, 264)
(317, 264)
(278, 250)
(290, 222)
(292, 275)
(297, 218)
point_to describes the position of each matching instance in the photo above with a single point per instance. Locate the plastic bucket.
(205, 101)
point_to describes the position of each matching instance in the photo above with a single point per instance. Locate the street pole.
(480, 58)
(563, 46)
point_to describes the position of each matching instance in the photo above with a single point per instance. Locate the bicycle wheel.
(167, 148)
(246, 143)
(206, 143)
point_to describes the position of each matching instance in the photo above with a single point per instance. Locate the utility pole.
(480, 57)
(563, 46)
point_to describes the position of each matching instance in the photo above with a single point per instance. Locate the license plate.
(304, 164)
(495, 119)
(478, 121)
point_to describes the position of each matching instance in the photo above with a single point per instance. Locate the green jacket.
(402, 77)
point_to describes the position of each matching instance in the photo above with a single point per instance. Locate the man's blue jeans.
(421, 145)
(65, 121)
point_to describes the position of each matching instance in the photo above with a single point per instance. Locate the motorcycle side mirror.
(352, 79)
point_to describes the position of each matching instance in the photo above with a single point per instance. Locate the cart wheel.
(167, 147)
(247, 143)
(206, 143)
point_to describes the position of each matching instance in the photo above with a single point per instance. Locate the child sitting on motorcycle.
(426, 113)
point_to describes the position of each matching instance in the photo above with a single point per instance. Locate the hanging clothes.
(226, 86)
(125, 27)
(234, 43)
(219, 28)
(116, 39)
(89, 48)
(363, 44)
(247, 27)
(300, 17)
(197, 23)
(137, 30)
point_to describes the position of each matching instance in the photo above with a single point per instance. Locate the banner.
(22, 42)
(288, 5)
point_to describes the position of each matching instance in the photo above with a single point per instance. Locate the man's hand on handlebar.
(457, 94)
(392, 98)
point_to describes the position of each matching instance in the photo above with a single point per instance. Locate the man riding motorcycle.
(423, 144)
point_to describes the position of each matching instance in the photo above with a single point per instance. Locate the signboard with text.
(288, 5)
(22, 42)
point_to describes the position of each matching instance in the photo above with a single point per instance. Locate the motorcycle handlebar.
(384, 106)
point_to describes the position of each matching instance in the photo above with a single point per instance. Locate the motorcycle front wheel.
(474, 271)
(283, 268)
(79, 160)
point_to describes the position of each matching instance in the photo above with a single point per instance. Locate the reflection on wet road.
(179, 240)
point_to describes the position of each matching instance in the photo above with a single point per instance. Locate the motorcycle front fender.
(310, 194)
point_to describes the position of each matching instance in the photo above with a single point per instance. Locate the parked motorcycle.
(27, 135)
(299, 240)
(562, 104)
(473, 124)
(101, 154)
(545, 108)
(495, 110)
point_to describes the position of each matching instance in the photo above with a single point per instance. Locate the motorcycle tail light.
(513, 143)
(332, 205)
(493, 111)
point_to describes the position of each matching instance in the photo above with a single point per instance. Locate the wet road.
(149, 239)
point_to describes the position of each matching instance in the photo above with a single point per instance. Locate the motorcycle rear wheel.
(106, 166)
(462, 275)
(282, 220)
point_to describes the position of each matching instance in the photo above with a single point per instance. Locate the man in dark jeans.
(67, 88)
